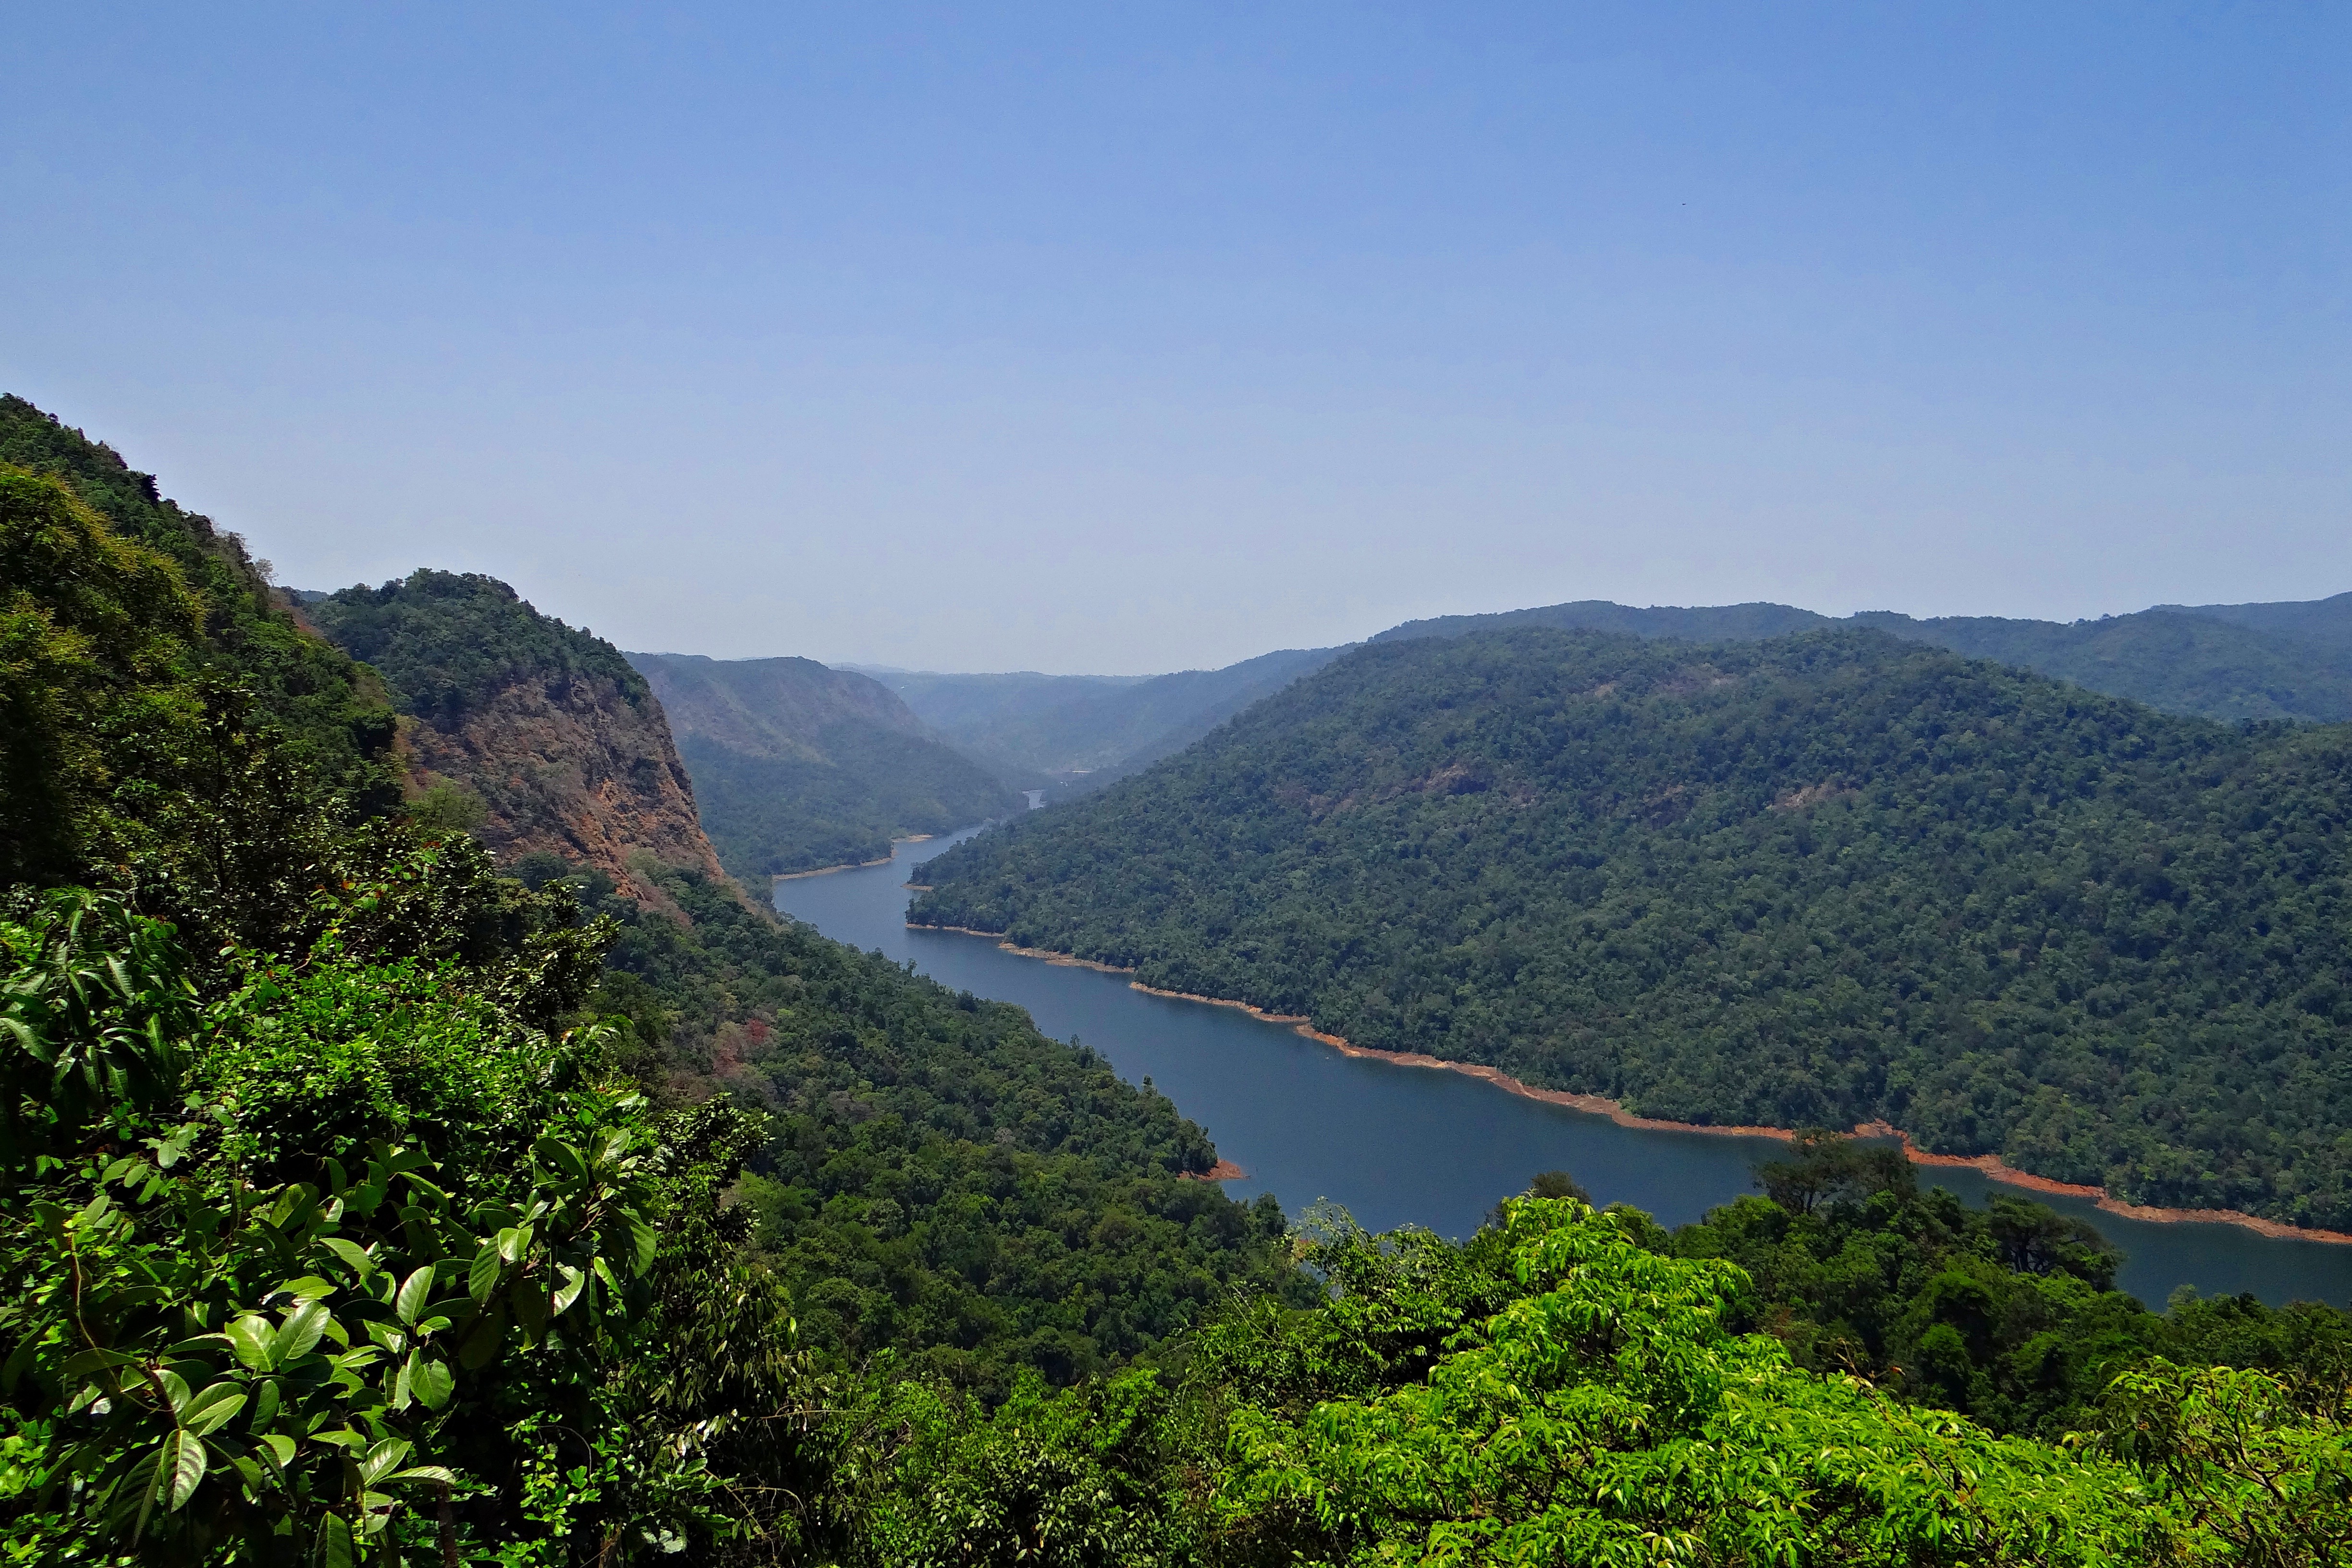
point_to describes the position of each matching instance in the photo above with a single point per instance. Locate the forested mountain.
(333, 715)
(798, 766)
(2328, 622)
(531, 734)
(1815, 880)
(1074, 733)
(2230, 662)
(360, 1204)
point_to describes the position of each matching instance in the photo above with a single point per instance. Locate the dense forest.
(797, 766)
(365, 1204)
(2231, 662)
(1817, 880)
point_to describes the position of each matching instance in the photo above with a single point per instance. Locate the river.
(1400, 1144)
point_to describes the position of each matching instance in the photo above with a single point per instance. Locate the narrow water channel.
(1400, 1145)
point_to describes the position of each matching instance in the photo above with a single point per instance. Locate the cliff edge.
(534, 735)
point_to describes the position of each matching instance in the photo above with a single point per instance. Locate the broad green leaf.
(178, 1471)
(513, 1243)
(561, 1158)
(482, 1345)
(389, 1335)
(424, 1473)
(382, 1460)
(482, 1277)
(334, 1542)
(643, 1239)
(413, 1293)
(19, 1359)
(206, 1411)
(91, 1361)
(309, 1288)
(299, 1333)
(281, 1447)
(250, 1337)
(432, 1381)
(350, 1253)
(529, 1298)
(175, 1388)
(575, 1280)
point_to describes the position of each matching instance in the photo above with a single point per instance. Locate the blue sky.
(1141, 337)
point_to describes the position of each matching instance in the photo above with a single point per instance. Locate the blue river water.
(1411, 1145)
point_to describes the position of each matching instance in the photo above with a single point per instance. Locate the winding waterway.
(1402, 1144)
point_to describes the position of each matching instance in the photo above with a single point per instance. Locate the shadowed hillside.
(797, 766)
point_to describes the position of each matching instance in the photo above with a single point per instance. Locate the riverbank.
(1992, 1167)
(775, 876)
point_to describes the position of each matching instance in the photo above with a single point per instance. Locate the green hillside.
(2328, 622)
(334, 718)
(797, 766)
(2230, 662)
(1817, 880)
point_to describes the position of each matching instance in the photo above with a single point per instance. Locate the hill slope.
(1817, 880)
(334, 715)
(798, 766)
(2217, 662)
(2328, 622)
(558, 741)
(1082, 731)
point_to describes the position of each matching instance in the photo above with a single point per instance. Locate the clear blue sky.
(1139, 337)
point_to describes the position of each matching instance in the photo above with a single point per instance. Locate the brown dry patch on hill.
(1814, 795)
(569, 764)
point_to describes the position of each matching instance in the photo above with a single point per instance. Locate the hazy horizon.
(1065, 340)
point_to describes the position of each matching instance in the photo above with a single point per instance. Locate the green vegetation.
(331, 718)
(1816, 881)
(796, 766)
(942, 1181)
(2180, 661)
(360, 1206)
(447, 643)
(2007, 1314)
(2230, 662)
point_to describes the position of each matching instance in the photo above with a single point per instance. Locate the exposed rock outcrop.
(534, 734)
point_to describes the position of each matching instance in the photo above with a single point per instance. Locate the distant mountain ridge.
(798, 766)
(538, 736)
(1080, 732)
(2233, 662)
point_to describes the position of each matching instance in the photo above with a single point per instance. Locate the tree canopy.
(1821, 880)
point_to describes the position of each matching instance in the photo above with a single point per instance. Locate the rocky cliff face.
(538, 736)
(573, 767)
